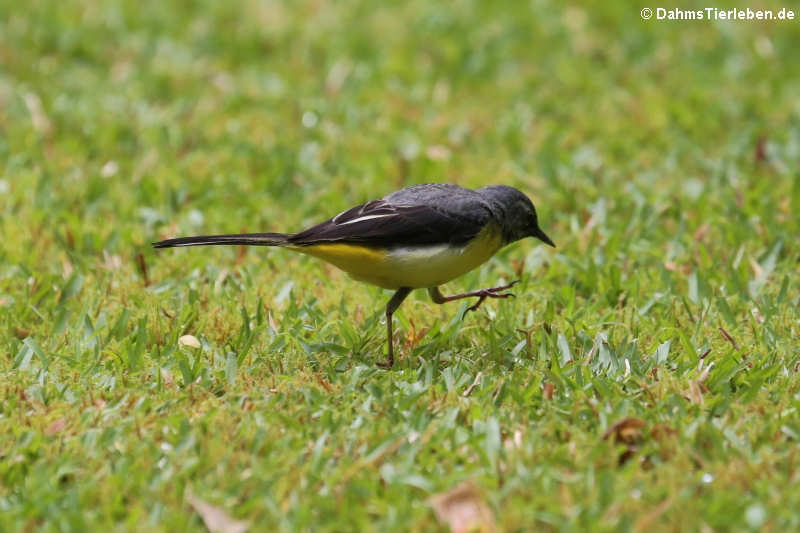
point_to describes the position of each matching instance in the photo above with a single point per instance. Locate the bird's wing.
(382, 223)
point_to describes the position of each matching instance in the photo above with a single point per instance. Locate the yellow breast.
(414, 266)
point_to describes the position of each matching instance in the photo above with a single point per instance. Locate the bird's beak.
(539, 234)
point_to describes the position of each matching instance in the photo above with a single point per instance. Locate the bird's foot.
(492, 292)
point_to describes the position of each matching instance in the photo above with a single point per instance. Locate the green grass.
(663, 160)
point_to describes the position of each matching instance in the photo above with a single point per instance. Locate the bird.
(419, 237)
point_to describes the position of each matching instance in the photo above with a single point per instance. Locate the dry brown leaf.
(413, 336)
(189, 340)
(704, 376)
(627, 431)
(111, 262)
(475, 383)
(695, 394)
(662, 431)
(728, 338)
(547, 391)
(463, 509)
(221, 277)
(761, 149)
(324, 384)
(241, 253)
(56, 427)
(166, 376)
(358, 314)
(701, 232)
(215, 519)
(272, 323)
(141, 264)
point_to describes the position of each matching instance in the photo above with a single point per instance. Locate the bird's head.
(515, 212)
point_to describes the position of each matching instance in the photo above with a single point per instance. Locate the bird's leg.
(481, 294)
(391, 307)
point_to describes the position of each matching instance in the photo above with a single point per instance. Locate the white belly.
(429, 266)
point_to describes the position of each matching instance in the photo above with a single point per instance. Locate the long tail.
(245, 239)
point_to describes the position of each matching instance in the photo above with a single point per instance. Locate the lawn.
(645, 378)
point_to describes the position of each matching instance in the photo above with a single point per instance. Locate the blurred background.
(123, 122)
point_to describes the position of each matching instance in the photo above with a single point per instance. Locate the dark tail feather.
(245, 239)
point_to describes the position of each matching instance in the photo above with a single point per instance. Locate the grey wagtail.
(416, 238)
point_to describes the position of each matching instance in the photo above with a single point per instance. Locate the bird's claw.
(492, 292)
